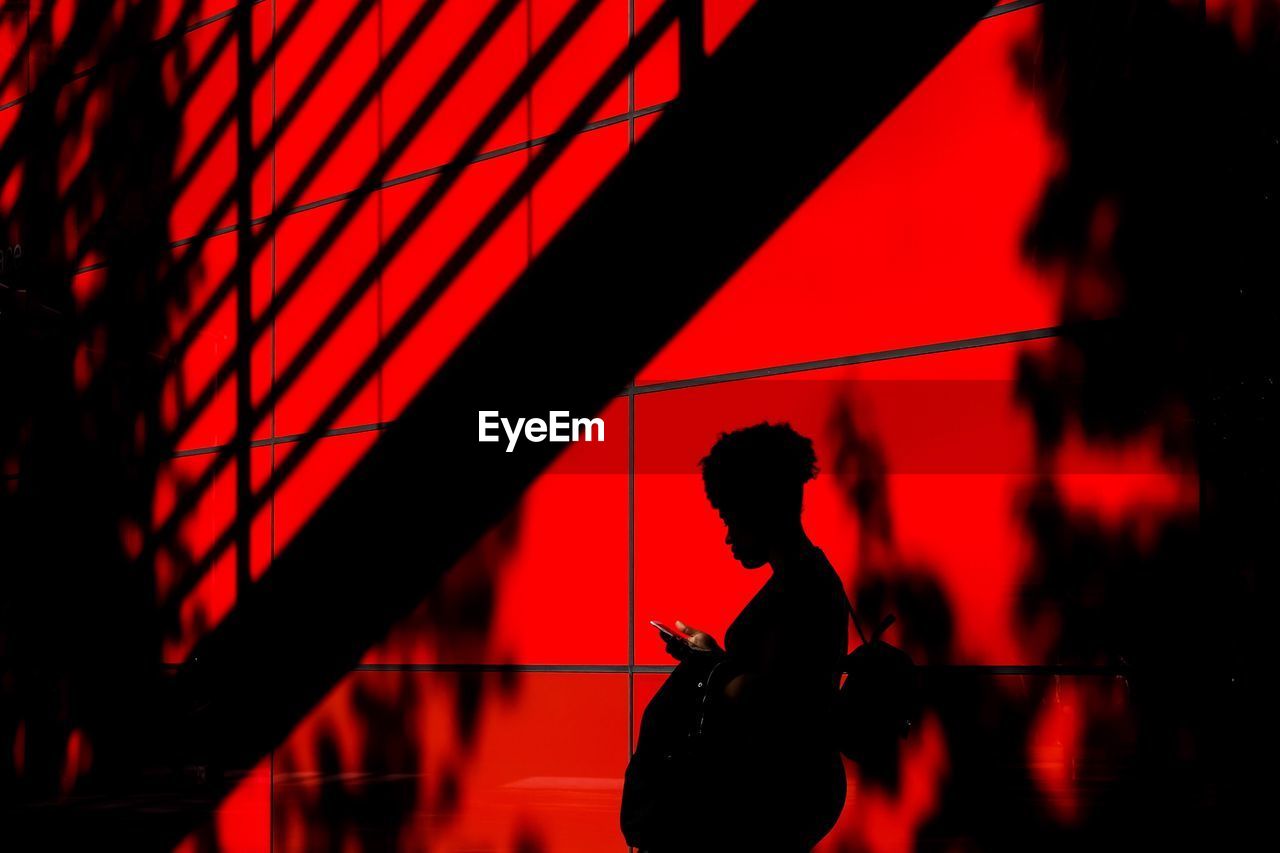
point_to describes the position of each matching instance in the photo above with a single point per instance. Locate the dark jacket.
(767, 760)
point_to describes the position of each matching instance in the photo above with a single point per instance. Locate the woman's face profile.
(745, 539)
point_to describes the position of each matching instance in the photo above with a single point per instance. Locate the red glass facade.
(888, 319)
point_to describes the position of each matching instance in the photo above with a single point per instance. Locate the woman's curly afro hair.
(763, 466)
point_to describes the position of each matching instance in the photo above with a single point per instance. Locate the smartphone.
(669, 633)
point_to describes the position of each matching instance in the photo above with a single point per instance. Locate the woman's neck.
(793, 550)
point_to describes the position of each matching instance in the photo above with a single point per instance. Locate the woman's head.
(755, 479)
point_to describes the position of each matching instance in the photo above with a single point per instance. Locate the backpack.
(878, 703)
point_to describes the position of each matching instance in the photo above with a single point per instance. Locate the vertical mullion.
(631, 564)
(528, 132)
(271, 554)
(244, 286)
(631, 561)
(379, 213)
(631, 443)
(631, 77)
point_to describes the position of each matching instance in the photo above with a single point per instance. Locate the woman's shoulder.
(819, 577)
(816, 592)
(821, 591)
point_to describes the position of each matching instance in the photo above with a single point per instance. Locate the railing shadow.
(344, 579)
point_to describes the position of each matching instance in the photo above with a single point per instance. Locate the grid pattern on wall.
(344, 158)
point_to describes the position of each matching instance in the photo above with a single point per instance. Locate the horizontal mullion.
(882, 355)
(1015, 6)
(844, 361)
(402, 179)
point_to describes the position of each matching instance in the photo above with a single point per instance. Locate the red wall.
(914, 242)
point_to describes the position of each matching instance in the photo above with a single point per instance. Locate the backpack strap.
(857, 624)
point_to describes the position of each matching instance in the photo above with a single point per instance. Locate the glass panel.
(916, 238)
(548, 584)
(580, 64)
(447, 761)
(489, 75)
(348, 59)
(927, 502)
(347, 263)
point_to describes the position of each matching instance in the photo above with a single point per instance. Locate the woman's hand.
(696, 642)
(698, 639)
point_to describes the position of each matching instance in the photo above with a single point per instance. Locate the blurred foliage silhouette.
(1161, 220)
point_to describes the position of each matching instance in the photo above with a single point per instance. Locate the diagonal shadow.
(519, 89)
(433, 291)
(685, 174)
(262, 235)
(247, 79)
(325, 242)
(369, 554)
(426, 108)
(236, 277)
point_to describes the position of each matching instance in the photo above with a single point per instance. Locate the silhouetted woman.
(735, 751)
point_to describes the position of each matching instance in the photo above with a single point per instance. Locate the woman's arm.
(797, 648)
